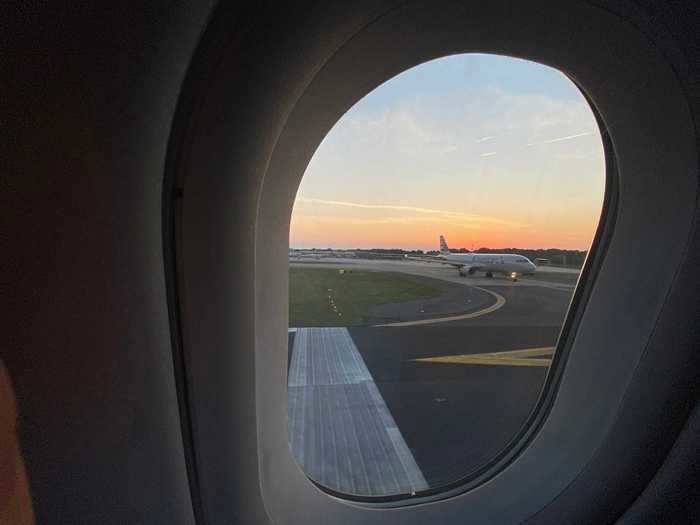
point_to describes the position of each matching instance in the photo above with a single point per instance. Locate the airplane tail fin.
(444, 249)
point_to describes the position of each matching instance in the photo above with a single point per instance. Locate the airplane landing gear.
(489, 275)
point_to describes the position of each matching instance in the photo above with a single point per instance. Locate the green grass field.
(325, 297)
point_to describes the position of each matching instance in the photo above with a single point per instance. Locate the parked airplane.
(509, 264)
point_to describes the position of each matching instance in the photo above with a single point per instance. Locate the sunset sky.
(489, 151)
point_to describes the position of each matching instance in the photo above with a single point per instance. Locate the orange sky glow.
(313, 231)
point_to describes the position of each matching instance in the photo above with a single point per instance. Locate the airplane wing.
(439, 259)
(467, 267)
(435, 258)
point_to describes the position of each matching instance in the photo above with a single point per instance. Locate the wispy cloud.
(562, 139)
(484, 139)
(411, 220)
(438, 215)
(489, 154)
(368, 206)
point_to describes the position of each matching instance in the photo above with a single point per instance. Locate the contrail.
(446, 214)
(369, 206)
(484, 139)
(561, 139)
(489, 154)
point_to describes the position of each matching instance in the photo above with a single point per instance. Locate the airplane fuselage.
(504, 263)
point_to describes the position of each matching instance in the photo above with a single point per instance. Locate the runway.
(457, 391)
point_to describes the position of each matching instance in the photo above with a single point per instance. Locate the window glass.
(435, 244)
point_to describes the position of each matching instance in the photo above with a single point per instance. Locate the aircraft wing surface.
(439, 259)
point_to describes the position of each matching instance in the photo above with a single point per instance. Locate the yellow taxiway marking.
(500, 301)
(539, 356)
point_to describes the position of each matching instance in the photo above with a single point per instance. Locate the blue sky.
(488, 150)
(471, 72)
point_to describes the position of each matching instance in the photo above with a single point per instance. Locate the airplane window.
(435, 244)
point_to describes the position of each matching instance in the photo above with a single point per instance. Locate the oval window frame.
(534, 32)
